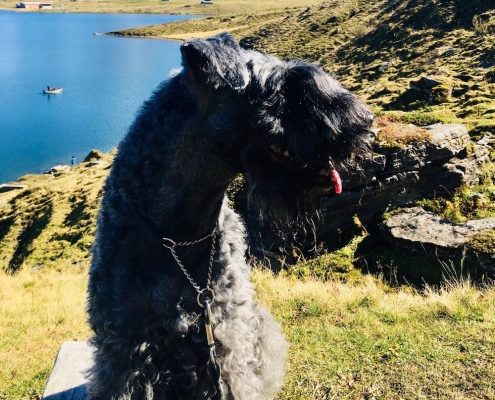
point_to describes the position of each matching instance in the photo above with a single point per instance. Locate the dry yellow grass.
(369, 341)
(39, 311)
(348, 341)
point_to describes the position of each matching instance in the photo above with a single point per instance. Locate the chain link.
(172, 247)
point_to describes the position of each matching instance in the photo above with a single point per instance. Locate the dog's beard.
(285, 208)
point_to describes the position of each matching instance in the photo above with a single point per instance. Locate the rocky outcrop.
(416, 230)
(394, 177)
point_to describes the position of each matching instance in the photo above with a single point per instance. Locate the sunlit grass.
(371, 341)
(38, 312)
(348, 341)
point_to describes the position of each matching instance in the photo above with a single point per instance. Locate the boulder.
(397, 176)
(416, 230)
(93, 155)
(58, 169)
(438, 89)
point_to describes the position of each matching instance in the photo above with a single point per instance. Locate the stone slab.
(67, 380)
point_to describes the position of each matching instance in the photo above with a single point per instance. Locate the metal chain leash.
(172, 245)
(206, 296)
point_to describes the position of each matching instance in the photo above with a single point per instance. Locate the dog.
(169, 297)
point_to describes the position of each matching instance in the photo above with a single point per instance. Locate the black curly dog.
(164, 232)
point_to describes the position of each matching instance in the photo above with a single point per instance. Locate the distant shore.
(171, 7)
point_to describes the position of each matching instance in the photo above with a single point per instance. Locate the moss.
(483, 242)
(337, 264)
(441, 93)
(422, 119)
(390, 214)
(394, 134)
(467, 203)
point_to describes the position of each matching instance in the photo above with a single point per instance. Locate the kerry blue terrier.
(169, 298)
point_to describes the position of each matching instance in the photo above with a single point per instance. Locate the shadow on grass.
(5, 225)
(77, 214)
(405, 266)
(30, 232)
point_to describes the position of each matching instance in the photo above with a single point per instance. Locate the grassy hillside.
(185, 7)
(50, 225)
(377, 48)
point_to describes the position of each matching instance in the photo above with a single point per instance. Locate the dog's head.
(305, 130)
(214, 63)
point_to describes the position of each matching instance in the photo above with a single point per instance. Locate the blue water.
(104, 79)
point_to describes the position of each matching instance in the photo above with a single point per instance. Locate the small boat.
(53, 91)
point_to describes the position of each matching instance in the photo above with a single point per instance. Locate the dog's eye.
(284, 91)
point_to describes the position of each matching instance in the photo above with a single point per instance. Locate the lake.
(105, 79)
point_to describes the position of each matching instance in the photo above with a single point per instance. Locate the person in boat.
(48, 87)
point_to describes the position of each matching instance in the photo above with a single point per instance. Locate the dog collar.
(205, 297)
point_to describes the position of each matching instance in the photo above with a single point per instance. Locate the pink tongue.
(337, 181)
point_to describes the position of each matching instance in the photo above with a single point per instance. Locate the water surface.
(104, 79)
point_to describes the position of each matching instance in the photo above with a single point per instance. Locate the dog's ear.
(218, 61)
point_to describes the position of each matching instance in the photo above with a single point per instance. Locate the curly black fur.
(227, 111)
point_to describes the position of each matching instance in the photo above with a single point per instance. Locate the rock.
(67, 380)
(57, 170)
(428, 82)
(392, 178)
(417, 230)
(93, 155)
(383, 67)
(440, 94)
(486, 140)
(449, 52)
(414, 87)
(438, 88)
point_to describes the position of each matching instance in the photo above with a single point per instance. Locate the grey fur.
(200, 129)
